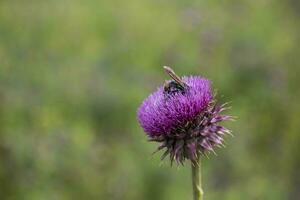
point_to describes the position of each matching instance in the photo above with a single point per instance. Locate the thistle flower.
(184, 117)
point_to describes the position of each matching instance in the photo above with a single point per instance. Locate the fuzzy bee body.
(176, 85)
(172, 87)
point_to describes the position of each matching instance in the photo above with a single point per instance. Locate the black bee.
(176, 85)
(172, 87)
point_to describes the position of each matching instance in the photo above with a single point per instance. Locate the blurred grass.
(73, 73)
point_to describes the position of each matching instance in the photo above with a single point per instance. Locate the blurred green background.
(73, 73)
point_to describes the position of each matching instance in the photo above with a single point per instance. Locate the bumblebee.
(174, 86)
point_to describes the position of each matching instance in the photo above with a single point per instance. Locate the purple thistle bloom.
(184, 117)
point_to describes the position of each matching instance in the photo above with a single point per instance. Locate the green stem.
(196, 178)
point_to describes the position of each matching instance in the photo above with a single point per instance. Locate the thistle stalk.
(196, 179)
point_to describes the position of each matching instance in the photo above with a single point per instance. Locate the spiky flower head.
(184, 117)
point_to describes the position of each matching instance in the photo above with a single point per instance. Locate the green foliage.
(73, 73)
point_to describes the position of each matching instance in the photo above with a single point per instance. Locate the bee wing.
(174, 76)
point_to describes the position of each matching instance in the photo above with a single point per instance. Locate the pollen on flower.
(184, 117)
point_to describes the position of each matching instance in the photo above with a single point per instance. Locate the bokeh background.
(73, 73)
